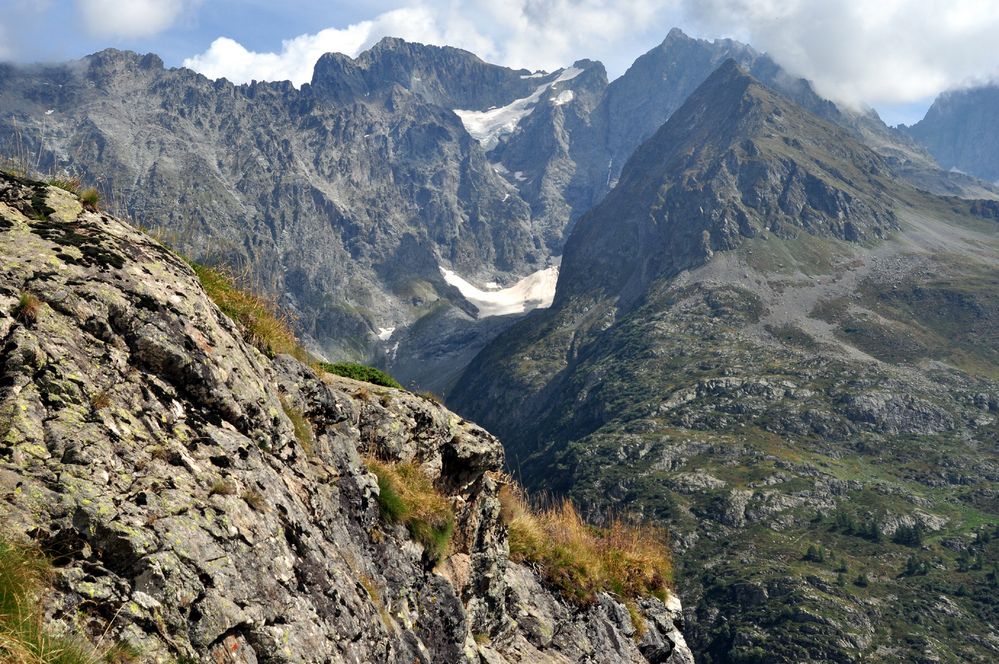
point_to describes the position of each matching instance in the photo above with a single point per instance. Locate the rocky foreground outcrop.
(153, 455)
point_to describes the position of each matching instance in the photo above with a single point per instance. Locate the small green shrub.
(360, 372)
(407, 496)
(908, 535)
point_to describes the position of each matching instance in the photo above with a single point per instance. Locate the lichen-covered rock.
(150, 452)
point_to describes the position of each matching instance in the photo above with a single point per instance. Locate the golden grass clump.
(24, 574)
(262, 324)
(407, 496)
(579, 559)
(27, 309)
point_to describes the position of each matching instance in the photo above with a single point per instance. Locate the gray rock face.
(149, 450)
(961, 130)
(343, 198)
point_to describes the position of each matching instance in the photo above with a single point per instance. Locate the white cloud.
(131, 19)
(518, 33)
(229, 59)
(856, 51)
(863, 52)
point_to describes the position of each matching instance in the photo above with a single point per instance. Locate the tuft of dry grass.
(407, 496)
(101, 399)
(263, 325)
(24, 574)
(69, 183)
(303, 429)
(581, 560)
(28, 308)
(222, 488)
(91, 199)
(255, 500)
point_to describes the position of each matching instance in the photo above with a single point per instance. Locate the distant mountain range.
(961, 132)
(347, 198)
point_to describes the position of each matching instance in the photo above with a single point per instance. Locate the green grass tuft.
(24, 574)
(360, 372)
(91, 198)
(303, 429)
(407, 496)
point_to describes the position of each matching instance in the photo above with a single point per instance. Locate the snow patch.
(50, 111)
(385, 333)
(535, 291)
(488, 126)
(563, 98)
(537, 74)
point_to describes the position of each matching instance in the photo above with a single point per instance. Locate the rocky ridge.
(159, 460)
(960, 130)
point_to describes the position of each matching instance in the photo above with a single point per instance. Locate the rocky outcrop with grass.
(191, 496)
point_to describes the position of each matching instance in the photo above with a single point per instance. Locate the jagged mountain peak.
(737, 160)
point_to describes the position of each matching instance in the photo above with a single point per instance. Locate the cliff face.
(960, 130)
(202, 501)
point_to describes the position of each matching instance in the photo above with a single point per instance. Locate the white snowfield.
(385, 333)
(488, 126)
(535, 291)
(563, 98)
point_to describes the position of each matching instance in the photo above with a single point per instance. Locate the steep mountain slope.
(764, 339)
(343, 197)
(961, 130)
(201, 501)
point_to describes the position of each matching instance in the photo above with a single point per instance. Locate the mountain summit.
(735, 161)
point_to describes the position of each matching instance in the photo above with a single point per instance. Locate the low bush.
(579, 559)
(360, 372)
(407, 496)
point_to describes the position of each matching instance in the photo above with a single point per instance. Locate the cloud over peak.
(862, 52)
(132, 19)
(854, 51)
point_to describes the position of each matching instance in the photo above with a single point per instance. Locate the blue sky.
(893, 55)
